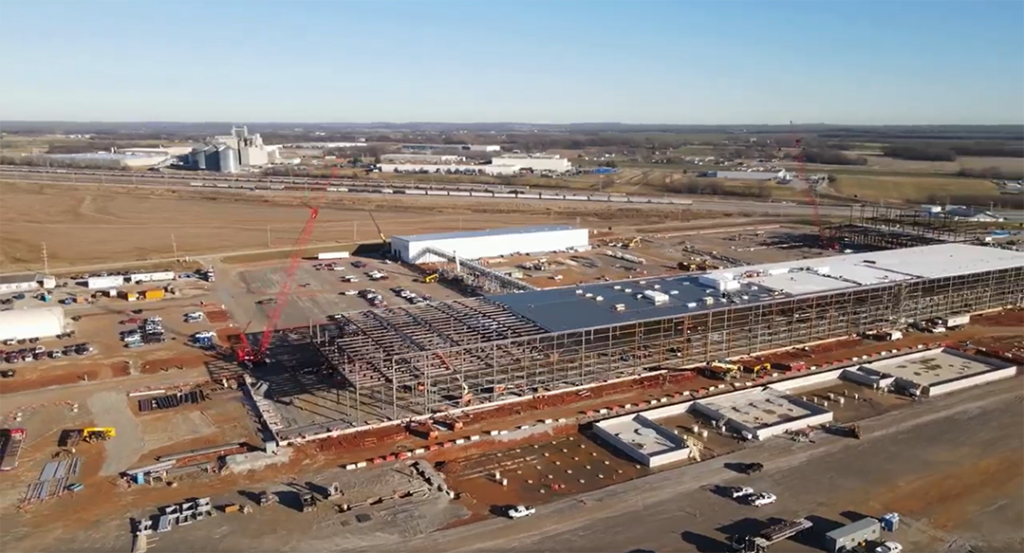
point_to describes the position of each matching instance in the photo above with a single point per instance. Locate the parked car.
(889, 547)
(751, 468)
(762, 499)
(7, 373)
(737, 492)
(519, 511)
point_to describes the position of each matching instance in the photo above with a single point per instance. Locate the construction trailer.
(852, 535)
(425, 359)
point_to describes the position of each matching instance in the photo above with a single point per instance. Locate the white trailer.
(104, 282)
(958, 320)
(332, 255)
(151, 277)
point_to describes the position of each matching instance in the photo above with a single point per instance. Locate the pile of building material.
(183, 514)
(53, 480)
(171, 401)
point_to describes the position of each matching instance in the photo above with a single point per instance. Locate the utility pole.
(354, 233)
(174, 244)
(268, 236)
(46, 261)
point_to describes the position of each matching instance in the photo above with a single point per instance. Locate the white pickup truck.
(519, 511)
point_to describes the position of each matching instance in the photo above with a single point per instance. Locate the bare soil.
(102, 225)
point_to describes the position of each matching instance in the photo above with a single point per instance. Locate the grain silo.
(228, 157)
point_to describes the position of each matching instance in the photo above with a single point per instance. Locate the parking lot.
(321, 291)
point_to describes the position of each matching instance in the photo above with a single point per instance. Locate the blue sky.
(555, 61)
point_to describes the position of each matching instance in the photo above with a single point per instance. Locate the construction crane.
(383, 239)
(246, 353)
(812, 196)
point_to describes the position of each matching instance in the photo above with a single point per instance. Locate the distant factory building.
(430, 159)
(536, 162)
(747, 175)
(425, 168)
(232, 153)
(443, 147)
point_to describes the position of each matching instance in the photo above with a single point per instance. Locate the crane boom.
(246, 354)
(383, 238)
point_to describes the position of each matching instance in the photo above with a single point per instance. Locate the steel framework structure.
(429, 359)
(893, 228)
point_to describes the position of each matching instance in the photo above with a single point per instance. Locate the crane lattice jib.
(284, 293)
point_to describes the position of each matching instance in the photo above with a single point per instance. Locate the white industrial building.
(430, 159)
(11, 284)
(748, 175)
(228, 154)
(41, 322)
(423, 168)
(459, 147)
(535, 162)
(476, 244)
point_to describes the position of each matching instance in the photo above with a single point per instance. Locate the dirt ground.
(94, 225)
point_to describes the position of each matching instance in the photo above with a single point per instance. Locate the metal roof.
(570, 308)
(853, 528)
(19, 279)
(480, 233)
(560, 309)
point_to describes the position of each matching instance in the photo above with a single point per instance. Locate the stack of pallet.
(171, 401)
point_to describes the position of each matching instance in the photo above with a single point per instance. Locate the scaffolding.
(894, 228)
(429, 359)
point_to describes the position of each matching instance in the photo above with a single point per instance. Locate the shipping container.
(11, 448)
(151, 277)
(153, 294)
(105, 282)
(332, 255)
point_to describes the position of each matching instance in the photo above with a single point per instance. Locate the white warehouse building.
(535, 162)
(41, 322)
(476, 244)
(413, 168)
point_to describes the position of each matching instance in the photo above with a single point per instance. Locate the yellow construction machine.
(431, 278)
(634, 243)
(721, 370)
(98, 434)
(756, 370)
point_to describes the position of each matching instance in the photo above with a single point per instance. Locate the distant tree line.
(919, 152)
(825, 156)
(997, 173)
(708, 187)
(940, 151)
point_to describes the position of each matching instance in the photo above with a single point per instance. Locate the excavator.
(431, 278)
(634, 243)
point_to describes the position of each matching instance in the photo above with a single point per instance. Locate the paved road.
(675, 510)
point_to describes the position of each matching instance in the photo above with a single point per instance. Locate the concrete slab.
(940, 370)
(759, 408)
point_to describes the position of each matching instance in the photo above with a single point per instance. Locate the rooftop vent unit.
(599, 298)
(659, 298)
(620, 307)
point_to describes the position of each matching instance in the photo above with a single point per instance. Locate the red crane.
(812, 197)
(246, 353)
